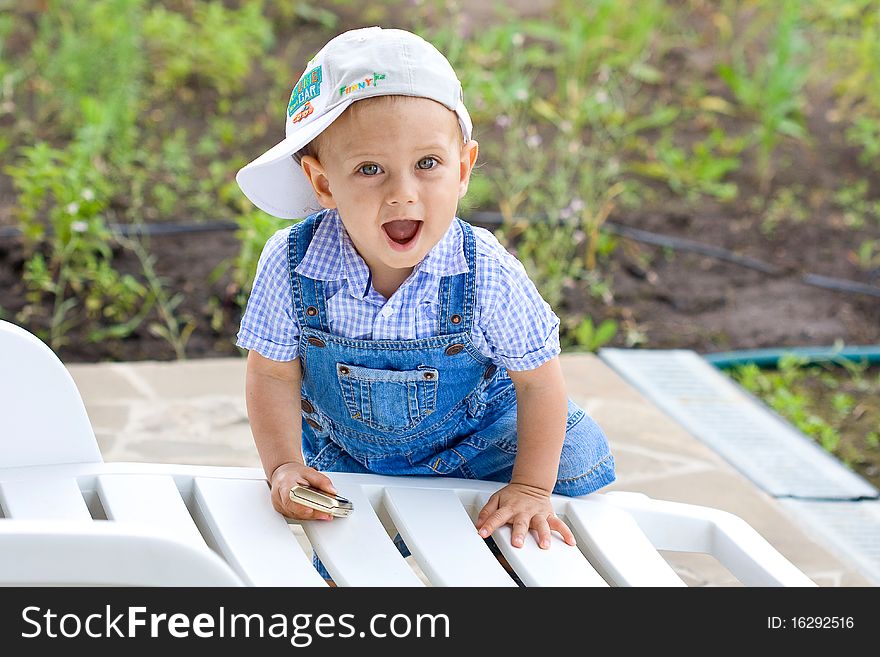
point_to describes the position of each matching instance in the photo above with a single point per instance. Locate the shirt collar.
(447, 257)
(331, 256)
(323, 258)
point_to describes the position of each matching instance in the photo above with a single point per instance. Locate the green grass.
(768, 86)
(837, 404)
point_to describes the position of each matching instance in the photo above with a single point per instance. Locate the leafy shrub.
(70, 259)
(215, 44)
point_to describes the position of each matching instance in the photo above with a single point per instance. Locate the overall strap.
(458, 292)
(308, 293)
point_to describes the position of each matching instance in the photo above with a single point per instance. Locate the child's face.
(396, 160)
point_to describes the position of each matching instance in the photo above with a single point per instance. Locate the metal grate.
(851, 527)
(764, 447)
(819, 490)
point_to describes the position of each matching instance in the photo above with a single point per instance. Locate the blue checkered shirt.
(513, 325)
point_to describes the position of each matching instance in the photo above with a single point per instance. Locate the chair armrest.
(103, 553)
(727, 537)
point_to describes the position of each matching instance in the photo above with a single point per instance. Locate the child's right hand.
(285, 477)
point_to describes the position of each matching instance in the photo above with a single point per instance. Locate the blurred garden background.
(673, 174)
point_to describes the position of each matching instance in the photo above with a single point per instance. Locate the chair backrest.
(44, 421)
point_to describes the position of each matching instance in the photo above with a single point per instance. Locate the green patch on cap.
(308, 87)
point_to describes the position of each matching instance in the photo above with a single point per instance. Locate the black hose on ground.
(495, 219)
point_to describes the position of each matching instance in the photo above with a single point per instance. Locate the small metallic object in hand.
(320, 501)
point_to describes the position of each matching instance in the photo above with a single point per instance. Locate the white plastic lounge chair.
(68, 518)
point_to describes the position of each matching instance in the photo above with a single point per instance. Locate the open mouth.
(402, 231)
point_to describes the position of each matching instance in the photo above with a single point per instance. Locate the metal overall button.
(429, 375)
(455, 319)
(311, 311)
(317, 342)
(343, 370)
(490, 371)
(313, 424)
(307, 406)
(453, 349)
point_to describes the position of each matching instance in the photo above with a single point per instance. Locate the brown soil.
(673, 299)
(679, 300)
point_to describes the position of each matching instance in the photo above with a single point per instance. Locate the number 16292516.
(810, 623)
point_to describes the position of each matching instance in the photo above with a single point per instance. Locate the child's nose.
(402, 190)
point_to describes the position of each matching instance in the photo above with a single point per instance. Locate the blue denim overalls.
(430, 406)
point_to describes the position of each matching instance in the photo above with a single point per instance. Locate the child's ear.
(466, 165)
(317, 176)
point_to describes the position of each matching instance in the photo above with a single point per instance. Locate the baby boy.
(386, 335)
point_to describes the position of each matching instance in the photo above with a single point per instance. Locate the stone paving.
(193, 412)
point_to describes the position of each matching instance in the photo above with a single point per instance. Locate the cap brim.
(464, 121)
(275, 182)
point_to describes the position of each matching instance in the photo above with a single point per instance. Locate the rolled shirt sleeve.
(269, 325)
(519, 327)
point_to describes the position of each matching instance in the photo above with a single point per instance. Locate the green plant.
(70, 259)
(785, 207)
(849, 32)
(586, 335)
(832, 400)
(161, 177)
(778, 390)
(864, 133)
(547, 250)
(770, 90)
(596, 44)
(11, 72)
(700, 171)
(88, 73)
(7, 24)
(292, 10)
(175, 330)
(216, 44)
(88, 70)
(856, 208)
(561, 93)
(868, 255)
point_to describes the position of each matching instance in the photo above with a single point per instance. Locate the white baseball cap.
(357, 64)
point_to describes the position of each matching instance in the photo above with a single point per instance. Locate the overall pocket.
(388, 400)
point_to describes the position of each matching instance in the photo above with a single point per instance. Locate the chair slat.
(357, 550)
(150, 499)
(442, 538)
(620, 550)
(246, 530)
(561, 565)
(43, 499)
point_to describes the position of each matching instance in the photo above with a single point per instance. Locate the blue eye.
(431, 162)
(369, 169)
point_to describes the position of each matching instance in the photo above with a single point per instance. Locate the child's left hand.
(525, 507)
